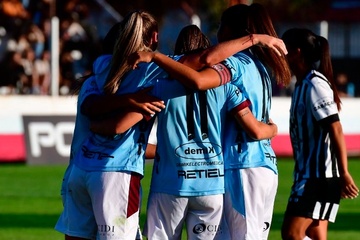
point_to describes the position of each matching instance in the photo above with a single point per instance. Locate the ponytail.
(315, 51)
(134, 36)
(325, 67)
(260, 23)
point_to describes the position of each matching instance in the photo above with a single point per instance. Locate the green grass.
(30, 202)
(346, 227)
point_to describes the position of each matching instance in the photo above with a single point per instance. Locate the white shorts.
(249, 202)
(101, 205)
(167, 214)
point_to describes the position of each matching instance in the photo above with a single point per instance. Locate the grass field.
(30, 202)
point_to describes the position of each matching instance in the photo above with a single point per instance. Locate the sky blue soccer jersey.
(82, 122)
(121, 152)
(189, 159)
(252, 78)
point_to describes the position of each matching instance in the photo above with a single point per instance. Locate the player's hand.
(145, 103)
(274, 43)
(140, 56)
(274, 126)
(348, 187)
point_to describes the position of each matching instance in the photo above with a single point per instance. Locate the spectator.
(42, 66)
(13, 15)
(13, 74)
(27, 61)
(36, 39)
(344, 87)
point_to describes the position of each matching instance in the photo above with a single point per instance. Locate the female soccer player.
(104, 180)
(321, 175)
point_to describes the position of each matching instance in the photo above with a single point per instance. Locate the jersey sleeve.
(322, 99)
(88, 88)
(236, 99)
(152, 71)
(236, 68)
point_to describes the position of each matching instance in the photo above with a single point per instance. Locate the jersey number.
(190, 114)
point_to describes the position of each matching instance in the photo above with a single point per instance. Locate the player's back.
(253, 79)
(121, 152)
(189, 160)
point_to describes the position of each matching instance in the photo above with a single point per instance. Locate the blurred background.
(28, 31)
(45, 45)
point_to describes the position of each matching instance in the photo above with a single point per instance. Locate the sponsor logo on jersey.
(323, 103)
(95, 155)
(271, 158)
(199, 164)
(201, 173)
(198, 150)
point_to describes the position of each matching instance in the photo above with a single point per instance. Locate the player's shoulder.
(318, 85)
(88, 87)
(316, 79)
(244, 57)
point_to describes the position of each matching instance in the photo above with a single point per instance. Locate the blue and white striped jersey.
(252, 78)
(312, 105)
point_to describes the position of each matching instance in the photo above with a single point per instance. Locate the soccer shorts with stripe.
(315, 198)
(101, 205)
(249, 202)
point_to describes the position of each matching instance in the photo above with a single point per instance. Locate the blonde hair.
(136, 32)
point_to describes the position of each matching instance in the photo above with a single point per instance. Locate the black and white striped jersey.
(312, 108)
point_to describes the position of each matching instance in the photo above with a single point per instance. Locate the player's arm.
(349, 188)
(150, 151)
(204, 79)
(223, 50)
(96, 105)
(117, 124)
(202, 61)
(205, 59)
(254, 128)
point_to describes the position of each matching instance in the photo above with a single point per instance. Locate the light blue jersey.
(121, 152)
(189, 159)
(82, 122)
(253, 79)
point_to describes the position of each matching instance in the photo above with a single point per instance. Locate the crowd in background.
(25, 44)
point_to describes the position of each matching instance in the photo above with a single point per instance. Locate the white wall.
(14, 144)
